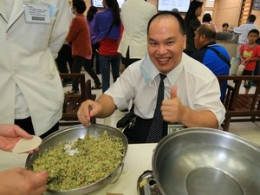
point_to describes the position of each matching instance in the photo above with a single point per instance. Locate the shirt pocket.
(32, 37)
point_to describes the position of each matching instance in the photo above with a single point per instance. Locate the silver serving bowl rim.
(195, 130)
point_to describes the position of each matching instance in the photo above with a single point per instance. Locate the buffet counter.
(138, 159)
(230, 46)
(229, 41)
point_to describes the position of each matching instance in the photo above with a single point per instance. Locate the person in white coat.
(135, 15)
(31, 34)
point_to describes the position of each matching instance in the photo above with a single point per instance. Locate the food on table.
(77, 164)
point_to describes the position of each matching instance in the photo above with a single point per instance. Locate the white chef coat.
(27, 68)
(197, 87)
(135, 15)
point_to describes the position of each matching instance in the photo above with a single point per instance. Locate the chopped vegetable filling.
(92, 159)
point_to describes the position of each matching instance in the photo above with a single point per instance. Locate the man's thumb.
(173, 92)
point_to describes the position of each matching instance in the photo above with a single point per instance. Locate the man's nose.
(162, 49)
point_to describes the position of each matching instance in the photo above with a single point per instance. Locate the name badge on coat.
(37, 13)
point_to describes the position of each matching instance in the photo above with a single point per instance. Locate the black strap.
(220, 55)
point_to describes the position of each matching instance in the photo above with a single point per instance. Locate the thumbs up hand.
(173, 92)
(172, 108)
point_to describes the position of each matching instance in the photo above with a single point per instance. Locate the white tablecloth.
(138, 159)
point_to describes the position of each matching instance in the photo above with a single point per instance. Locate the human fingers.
(23, 182)
(11, 130)
(40, 190)
(84, 113)
(34, 150)
(170, 107)
(40, 178)
(21, 133)
(173, 92)
(169, 110)
(169, 104)
(38, 181)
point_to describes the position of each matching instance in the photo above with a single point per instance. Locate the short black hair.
(254, 31)
(91, 13)
(169, 13)
(251, 18)
(191, 13)
(225, 24)
(206, 18)
(79, 5)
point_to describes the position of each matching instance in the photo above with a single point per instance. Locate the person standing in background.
(64, 57)
(135, 15)
(207, 19)
(225, 27)
(249, 55)
(81, 45)
(243, 30)
(94, 42)
(108, 29)
(31, 34)
(192, 23)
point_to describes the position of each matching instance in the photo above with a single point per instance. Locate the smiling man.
(191, 92)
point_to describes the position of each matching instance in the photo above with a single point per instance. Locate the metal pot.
(146, 185)
(71, 134)
(206, 161)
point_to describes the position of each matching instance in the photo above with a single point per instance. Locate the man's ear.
(202, 38)
(184, 41)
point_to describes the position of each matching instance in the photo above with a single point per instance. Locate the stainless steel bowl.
(72, 134)
(200, 161)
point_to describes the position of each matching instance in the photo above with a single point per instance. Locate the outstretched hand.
(19, 181)
(10, 134)
(87, 110)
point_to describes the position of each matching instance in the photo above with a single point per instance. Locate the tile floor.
(248, 130)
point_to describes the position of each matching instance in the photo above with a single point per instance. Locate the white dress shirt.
(198, 87)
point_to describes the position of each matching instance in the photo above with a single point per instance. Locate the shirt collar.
(209, 44)
(3, 10)
(174, 74)
(6, 8)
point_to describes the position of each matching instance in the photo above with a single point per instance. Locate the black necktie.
(155, 133)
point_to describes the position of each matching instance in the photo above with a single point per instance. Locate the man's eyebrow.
(170, 38)
(151, 39)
